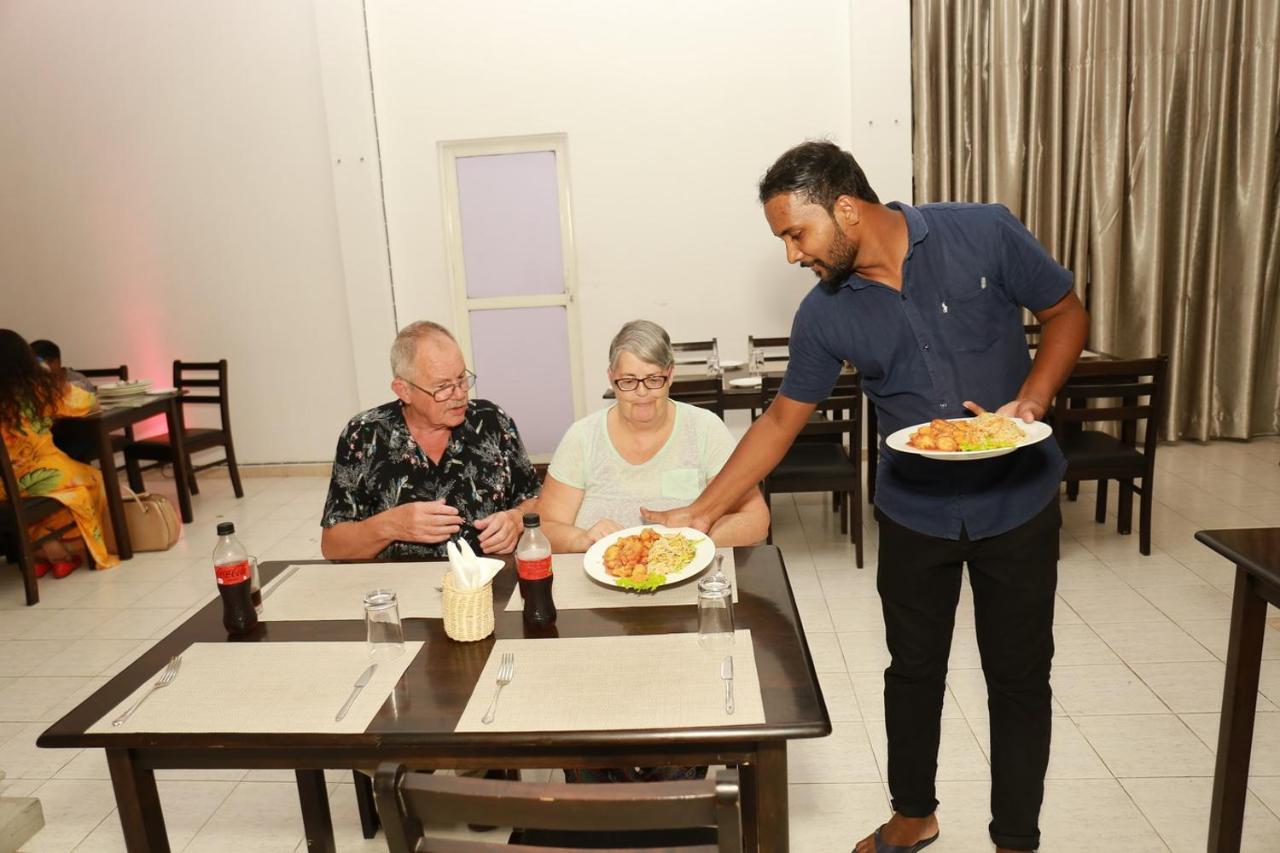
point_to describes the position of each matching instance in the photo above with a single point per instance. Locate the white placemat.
(573, 589)
(325, 591)
(661, 681)
(264, 687)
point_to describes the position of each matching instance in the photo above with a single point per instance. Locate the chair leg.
(1100, 510)
(27, 566)
(844, 517)
(1073, 489)
(369, 821)
(1124, 508)
(192, 485)
(835, 501)
(134, 472)
(233, 469)
(1144, 518)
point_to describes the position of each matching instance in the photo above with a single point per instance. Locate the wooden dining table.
(98, 427)
(415, 725)
(1256, 554)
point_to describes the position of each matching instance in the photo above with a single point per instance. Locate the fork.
(506, 671)
(166, 678)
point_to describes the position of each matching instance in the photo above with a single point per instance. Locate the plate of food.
(647, 558)
(968, 439)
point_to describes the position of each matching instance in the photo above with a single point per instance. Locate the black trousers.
(1014, 578)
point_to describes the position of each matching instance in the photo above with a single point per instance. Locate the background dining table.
(416, 724)
(98, 427)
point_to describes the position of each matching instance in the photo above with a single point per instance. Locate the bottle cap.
(226, 528)
(531, 520)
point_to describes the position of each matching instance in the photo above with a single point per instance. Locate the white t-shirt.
(613, 488)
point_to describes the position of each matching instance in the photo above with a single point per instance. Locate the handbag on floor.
(153, 525)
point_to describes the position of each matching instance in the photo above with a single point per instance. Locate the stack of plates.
(120, 392)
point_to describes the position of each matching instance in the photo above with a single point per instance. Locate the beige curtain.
(1140, 141)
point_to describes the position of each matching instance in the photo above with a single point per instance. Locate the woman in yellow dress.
(31, 396)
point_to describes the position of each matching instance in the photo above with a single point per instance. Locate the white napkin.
(470, 571)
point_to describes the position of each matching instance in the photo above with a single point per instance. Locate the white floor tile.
(1152, 642)
(843, 756)
(1093, 814)
(1189, 688)
(1147, 745)
(72, 810)
(1187, 603)
(1085, 690)
(1264, 758)
(262, 817)
(959, 756)
(1179, 810)
(830, 818)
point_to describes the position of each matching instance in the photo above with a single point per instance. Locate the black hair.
(46, 350)
(27, 389)
(820, 172)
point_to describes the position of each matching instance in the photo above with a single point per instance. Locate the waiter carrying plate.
(926, 303)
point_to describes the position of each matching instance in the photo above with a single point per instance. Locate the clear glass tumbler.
(382, 622)
(713, 364)
(757, 362)
(715, 613)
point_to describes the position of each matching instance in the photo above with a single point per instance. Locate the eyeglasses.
(444, 392)
(631, 383)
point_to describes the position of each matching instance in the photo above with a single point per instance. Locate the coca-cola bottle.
(235, 581)
(533, 567)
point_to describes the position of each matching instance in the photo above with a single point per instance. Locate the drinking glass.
(713, 363)
(382, 622)
(757, 362)
(715, 613)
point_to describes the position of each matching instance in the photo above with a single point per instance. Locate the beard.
(843, 256)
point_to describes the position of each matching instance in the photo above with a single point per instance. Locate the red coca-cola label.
(533, 570)
(232, 573)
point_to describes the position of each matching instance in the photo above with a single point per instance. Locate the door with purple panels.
(511, 255)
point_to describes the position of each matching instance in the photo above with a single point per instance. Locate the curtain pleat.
(1140, 142)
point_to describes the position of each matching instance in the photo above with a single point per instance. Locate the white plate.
(731, 363)
(593, 560)
(745, 382)
(1036, 431)
(161, 390)
(118, 387)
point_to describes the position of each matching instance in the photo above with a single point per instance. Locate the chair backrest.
(696, 346)
(775, 349)
(705, 393)
(1122, 391)
(406, 799)
(120, 373)
(841, 411)
(1032, 331)
(196, 374)
(9, 501)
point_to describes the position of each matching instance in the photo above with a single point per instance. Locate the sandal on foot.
(62, 568)
(42, 568)
(885, 847)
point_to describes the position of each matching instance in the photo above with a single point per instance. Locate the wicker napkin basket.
(468, 613)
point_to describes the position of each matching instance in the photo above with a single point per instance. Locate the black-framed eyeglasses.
(630, 383)
(444, 392)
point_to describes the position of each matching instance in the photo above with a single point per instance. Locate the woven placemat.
(574, 589)
(308, 593)
(264, 688)
(660, 681)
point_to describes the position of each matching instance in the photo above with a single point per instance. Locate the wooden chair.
(1032, 331)
(1113, 392)
(775, 349)
(406, 799)
(705, 393)
(831, 461)
(157, 448)
(690, 348)
(114, 374)
(16, 514)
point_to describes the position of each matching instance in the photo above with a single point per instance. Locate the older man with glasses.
(411, 474)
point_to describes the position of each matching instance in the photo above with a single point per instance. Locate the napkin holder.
(468, 613)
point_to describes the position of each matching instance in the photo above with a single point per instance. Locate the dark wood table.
(1256, 553)
(113, 418)
(416, 724)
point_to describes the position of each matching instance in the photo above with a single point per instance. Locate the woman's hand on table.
(601, 529)
(680, 517)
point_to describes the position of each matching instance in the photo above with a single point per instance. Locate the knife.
(355, 691)
(726, 675)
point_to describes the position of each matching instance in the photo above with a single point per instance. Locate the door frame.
(463, 304)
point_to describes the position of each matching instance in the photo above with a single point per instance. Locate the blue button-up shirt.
(953, 333)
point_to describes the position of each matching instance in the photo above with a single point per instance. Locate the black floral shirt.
(378, 466)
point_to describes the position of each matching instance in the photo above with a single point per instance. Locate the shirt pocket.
(681, 483)
(971, 316)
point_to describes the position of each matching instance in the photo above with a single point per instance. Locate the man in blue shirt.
(926, 304)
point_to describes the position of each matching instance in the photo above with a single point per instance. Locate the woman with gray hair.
(646, 450)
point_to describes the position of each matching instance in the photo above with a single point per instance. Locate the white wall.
(672, 111)
(170, 183)
(165, 193)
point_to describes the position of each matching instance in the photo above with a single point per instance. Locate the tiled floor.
(1137, 679)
